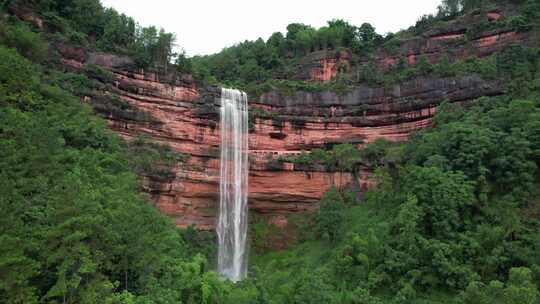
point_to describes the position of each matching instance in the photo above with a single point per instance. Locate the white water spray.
(232, 225)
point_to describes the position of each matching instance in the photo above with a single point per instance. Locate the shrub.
(263, 235)
(151, 158)
(520, 289)
(519, 23)
(375, 152)
(29, 44)
(330, 216)
(444, 68)
(96, 72)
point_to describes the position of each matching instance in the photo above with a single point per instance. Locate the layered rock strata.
(186, 118)
(178, 113)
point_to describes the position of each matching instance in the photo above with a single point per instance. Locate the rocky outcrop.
(451, 44)
(25, 13)
(456, 40)
(477, 34)
(324, 65)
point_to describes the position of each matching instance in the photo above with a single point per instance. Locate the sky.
(205, 27)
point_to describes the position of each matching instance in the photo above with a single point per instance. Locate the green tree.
(424, 249)
(449, 8)
(367, 33)
(519, 289)
(330, 215)
(85, 15)
(119, 31)
(469, 5)
(311, 289)
(347, 156)
(374, 153)
(444, 67)
(355, 264)
(183, 64)
(305, 41)
(277, 41)
(19, 36)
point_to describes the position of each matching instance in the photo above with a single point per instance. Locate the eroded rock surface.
(186, 117)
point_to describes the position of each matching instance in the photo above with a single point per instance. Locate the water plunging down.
(232, 225)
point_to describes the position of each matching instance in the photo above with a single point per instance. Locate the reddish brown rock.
(322, 66)
(188, 124)
(25, 13)
(447, 36)
(454, 40)
(434, 48)
(185, 117)
(494, 16)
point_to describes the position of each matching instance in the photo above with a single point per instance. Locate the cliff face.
(186, 118)
(473, 35)
(323, 65)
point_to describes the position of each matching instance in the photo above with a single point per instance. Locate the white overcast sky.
(207, 26)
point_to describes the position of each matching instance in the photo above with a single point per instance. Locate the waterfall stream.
(232, 222)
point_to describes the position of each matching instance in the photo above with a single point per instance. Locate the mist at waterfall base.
(233, 212)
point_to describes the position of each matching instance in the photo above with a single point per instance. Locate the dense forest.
(455, 217)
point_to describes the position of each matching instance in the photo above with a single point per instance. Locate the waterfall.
(232, 222)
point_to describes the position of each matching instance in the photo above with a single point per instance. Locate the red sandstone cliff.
(186, 118)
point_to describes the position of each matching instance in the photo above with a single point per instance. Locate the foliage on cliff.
(252, 63)
(260, 66)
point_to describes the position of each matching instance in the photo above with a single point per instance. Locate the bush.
(487, 67)
(520, 289)
(151, 158)
(199, 242)
(444, 68)
(374, 153)
(18, 88)
(331, 215)
(99, 73)
(312, 289)
(76, 84)
(519, 23)
(263, 235)
(531, 10)
(19, 36)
